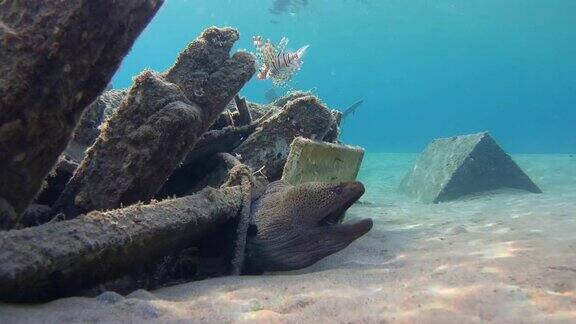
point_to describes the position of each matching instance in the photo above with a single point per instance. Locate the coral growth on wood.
(59, 259)
(77, 191)
(157, 124)
(52, 68)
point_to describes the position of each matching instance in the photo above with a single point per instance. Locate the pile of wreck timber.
(97, 184)
(46, 81)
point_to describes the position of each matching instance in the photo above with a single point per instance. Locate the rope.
(241, 175)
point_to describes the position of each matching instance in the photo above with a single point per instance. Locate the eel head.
(296, 226)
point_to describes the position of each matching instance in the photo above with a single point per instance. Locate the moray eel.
(296, 226)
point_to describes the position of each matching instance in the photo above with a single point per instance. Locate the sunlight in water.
(500, 250)
(436, 305)
(260, 315)
(551, 302)
(411, 226)
(492, 270)
(453, 292)
(568, 316)
(563, 294)
(516, 215)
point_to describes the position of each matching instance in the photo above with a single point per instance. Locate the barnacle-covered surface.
(268, 147)
(157, 124)
(47, 78)
(62, 258)
(91, 121)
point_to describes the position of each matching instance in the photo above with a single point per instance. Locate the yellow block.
(320, 161)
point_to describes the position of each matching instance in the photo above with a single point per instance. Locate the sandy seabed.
(503, 257)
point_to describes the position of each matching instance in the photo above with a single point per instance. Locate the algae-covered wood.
(56, 57)
(60, 259)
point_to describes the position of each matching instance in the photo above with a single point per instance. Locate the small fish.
(352, 108)
(275, 63)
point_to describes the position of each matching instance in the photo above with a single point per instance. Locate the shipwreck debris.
(46, 81)
(314, 161)
(212, 170)
(244, 116)
(268, 146)
(56, 181)
(335, 129)
(291, 95)
(60, 259)
(95, 224)
(94, 115)
(157, 124)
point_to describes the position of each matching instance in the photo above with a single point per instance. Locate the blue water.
(425, 68)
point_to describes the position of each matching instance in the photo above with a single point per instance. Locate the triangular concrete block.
(453, 167)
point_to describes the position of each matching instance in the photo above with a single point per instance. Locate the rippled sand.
(506, 257)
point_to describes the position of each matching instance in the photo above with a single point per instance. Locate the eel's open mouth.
(350, 192)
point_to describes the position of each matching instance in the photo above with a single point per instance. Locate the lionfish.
(275, 63)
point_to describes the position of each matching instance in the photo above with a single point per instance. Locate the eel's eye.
(337, 190)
